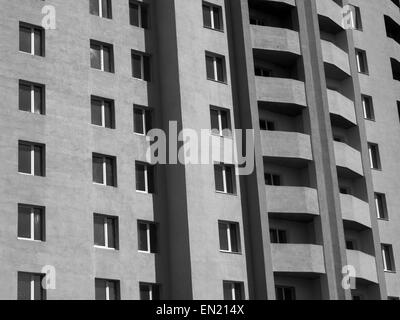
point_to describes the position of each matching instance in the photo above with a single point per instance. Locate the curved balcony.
(337, 61)
(292, 145)
(364, 264)
(298, 258)
(292, 200)
(355, 210)
(330, 10)
(281, 91)
(342, 107)
(348, 159)
(276, 39)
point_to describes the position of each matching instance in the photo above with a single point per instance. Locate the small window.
(374, 157)
(142, 119)
(101, 56)
(351, 245)
(388, 258)
(215, 67)
(104, 170)
(103, 114)
(233, 290)
(220, 121)
(225, 178)
(138, 14)
(31, 223)
(278, 236)
(31, 97)
(266, 125)
(149, 291)
(368, 107)
(147, 237)
(31, 158)
(285, 293)
(140, 66)
(272, 179)
(361, 59)
(101, 8)
(144, 177)
(381, 207)
(357, 18)
(212, 16)
(107, 289)
(229, 238)
(31, 39)
(30, 286)
(105, 231)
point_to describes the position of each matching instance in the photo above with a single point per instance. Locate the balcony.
(298, 258)
(342, 108)
(336, 60)
(348, 160)
(292, 201)
(364, 264)
(290, 145)
(281, 91)
(355, 211)
(331, 11)
(275, 39)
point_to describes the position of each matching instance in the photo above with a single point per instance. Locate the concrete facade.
(311, 92)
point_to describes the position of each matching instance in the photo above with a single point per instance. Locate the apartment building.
(86, 216)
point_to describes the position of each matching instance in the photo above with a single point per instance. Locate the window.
(104, 170)
(361, 59)
(144, 177)
(368, 107)
(285, 293)
(107, 289)
(398, 108)
(142, 119)
(101, 8)
(140, 66)
(31, 158)
(229, 239)
(267, 125)
(138, 14)
(272, 179)
(105, 231)
(31, 97)
(344, 190)
(212, 16)
(103, 113)
(147, 237)
(30, 286)
(262, 71)
(278, 236)
(31, 223)
(381, 207)
(357, 18)
(220, 121)
(101, 56)
(374, 157)
(233, 290)
(31, 39)
(225, 178)
(215, 65)
(149, 291)
(351, 245)
(388, 258)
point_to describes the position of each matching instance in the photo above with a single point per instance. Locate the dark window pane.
(156, 292)
(234, 238)
(146, 68)
(100, 287)
(227, 291)
(95, 56)
(134, 14)
(150, 179)
(24, 286)
(94, 7)
(148, 120)
(145, 17)
(214, 120)
(106, 8)
(144, 292)
(229, 180)
(107, 56)
(96, 112)
(282, 236)
(38, 290)
(220, 69)
(210, 67)
(111, 228)
(207, 16)
(38, 94)
(38, 43)
(225, 120)
(113, 290)
(153, 238)
(25, 97)
(99, 237)
(24, 222)
(138, 120)
(25, 39)
(273, 233)
(217, 22)
(137, 66)
(24, 158)
(108, 114)
(98, 170)
(279, 292)
(39, 161)
(110, 178)
(238, 291)
(140, 177)
(223, 236)
(219, 183)
(38, 224)
(142, 230)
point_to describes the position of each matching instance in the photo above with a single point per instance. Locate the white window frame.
(108, 288)
(32, 86)
(227, 113)
(144, 118)
(150, 287)
(100, 2)
(102, 46)
(32, 30)
(32, 160)
(361, 54)
(105, 230)
(215, 66)
(146, 178)
(33, 286)
(141, 55)
(104, 161)
(385, 263)
(32, 227)
(380, 215)
(219, 10)
(148, 236)
(231, 225)
(364, 103)
(224, 179)
(370, 147)
(232, 288)
(103, 113)
(140, 8)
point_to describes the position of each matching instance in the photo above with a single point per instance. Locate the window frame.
(154, 289)
(144, 58)
(368, 101)
(215, 57)
(104, 173)
(140, 5)
(103, 101)
(212, 7)
(361, 65)
(33, 276)
(375, 147)
(149, 185)
(232, 290)
(381, 197)
(33, 29)
(32, 146)
(107, 283)
(225, 190)
(33, 86)
(42, 230)
(105, 219)
(151, 233)
(390, 253)
(103, 45)
(100, 6)
(223, 133)
(230, 226)
(147, 121)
